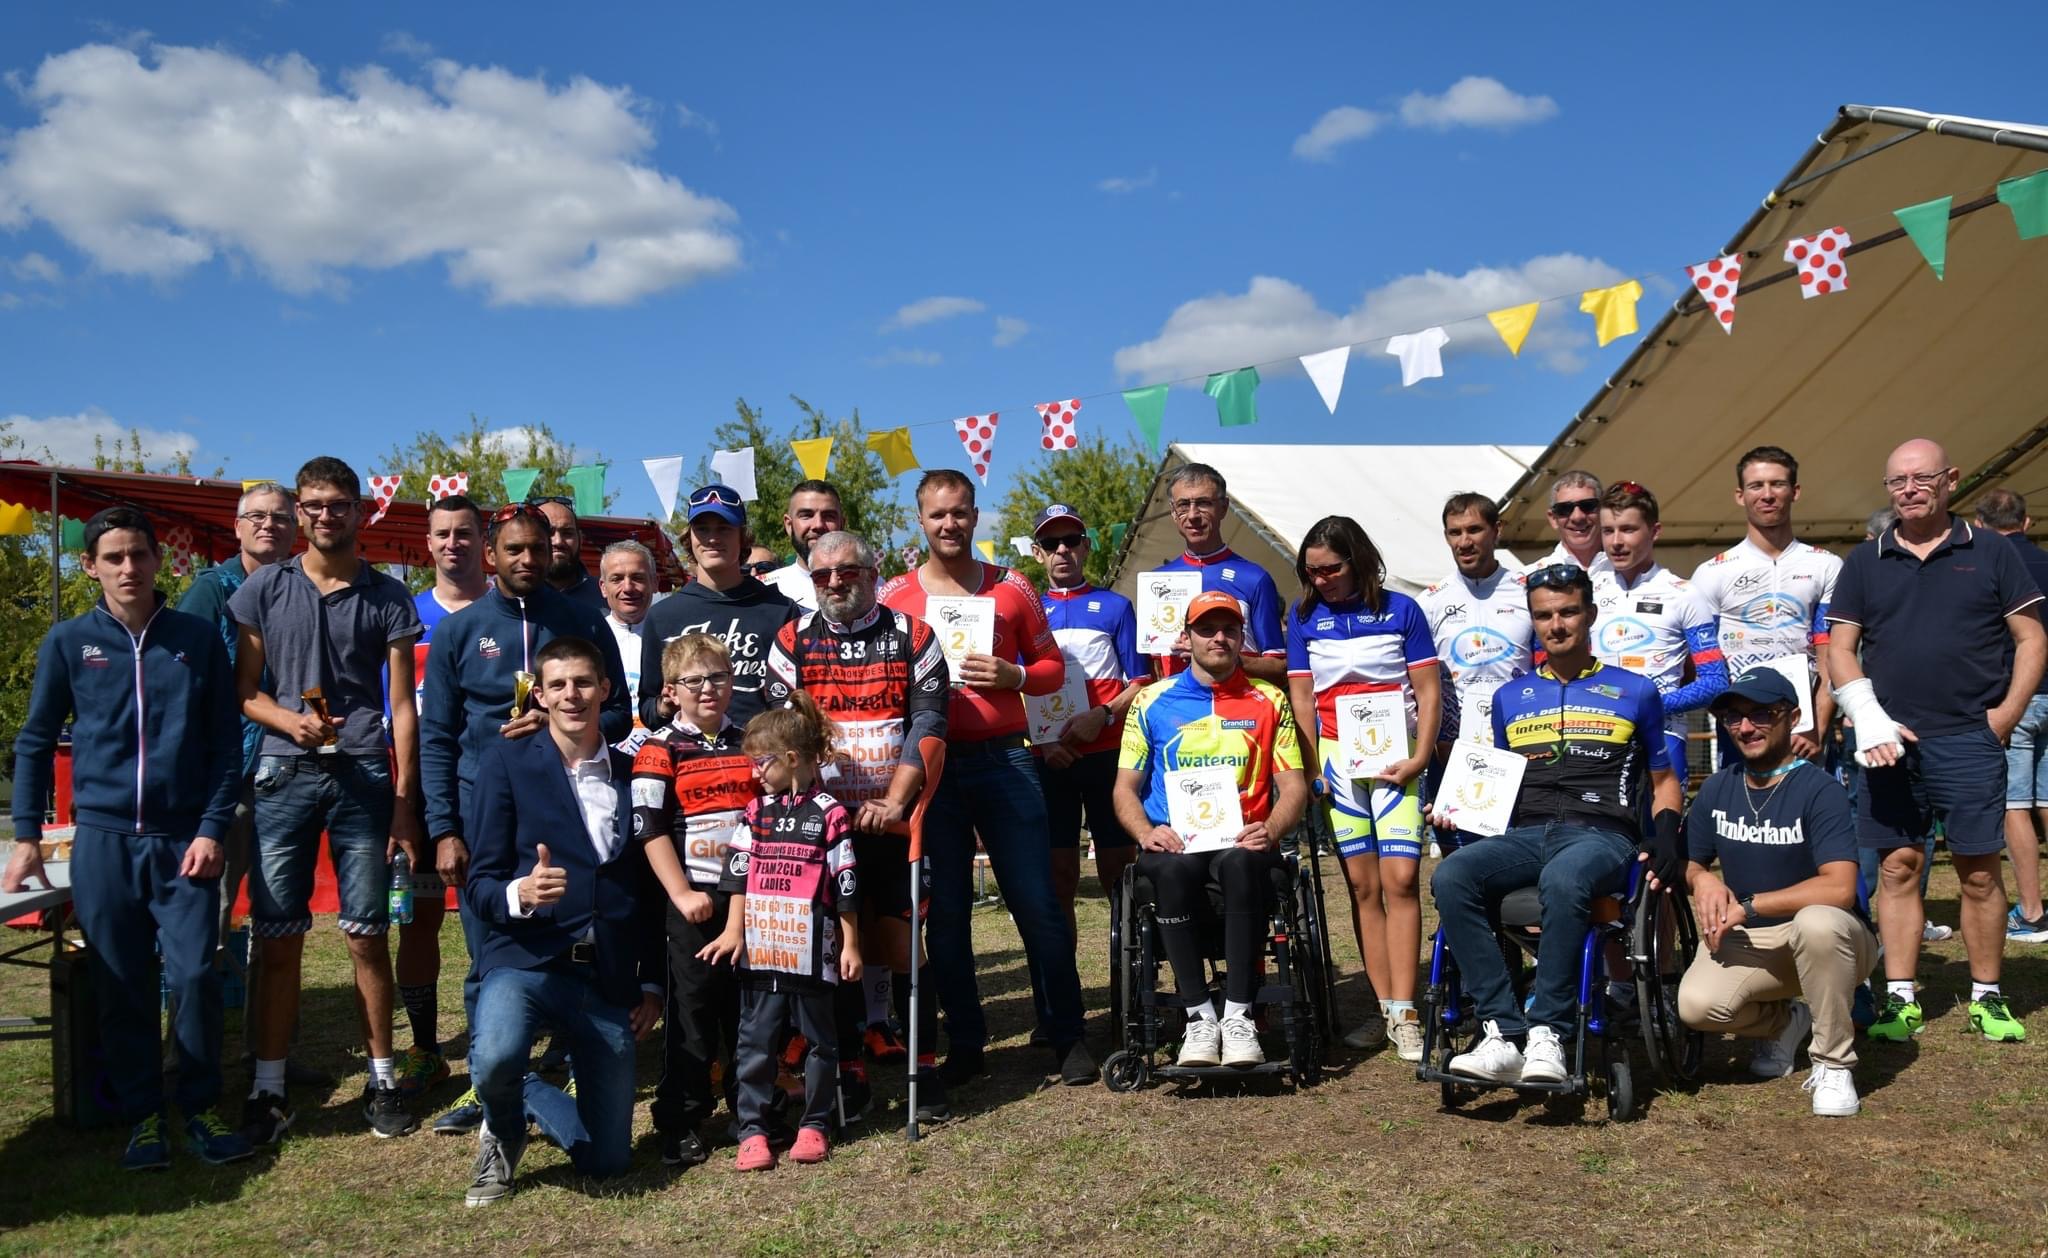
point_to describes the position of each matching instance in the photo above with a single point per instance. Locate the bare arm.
(1301, 696)
(405, 746)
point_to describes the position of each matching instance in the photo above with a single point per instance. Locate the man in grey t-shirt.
(337, 637)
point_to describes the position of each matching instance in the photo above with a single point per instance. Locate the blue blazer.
(523, 799)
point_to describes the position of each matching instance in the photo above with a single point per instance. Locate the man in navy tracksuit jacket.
(156, 743)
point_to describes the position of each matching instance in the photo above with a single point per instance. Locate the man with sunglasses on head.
(566, 572)
(724, 600)
(1948, 624)
(472, 690)
(813, 512)
(1574, 515)
(1199, 501)
(879, 675)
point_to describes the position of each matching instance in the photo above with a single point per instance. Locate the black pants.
(763, 1013)
(1181, 898)
(702, 1023)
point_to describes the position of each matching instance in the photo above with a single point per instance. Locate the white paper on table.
(1478, 792)
(1163, 598)
(1372, 732)
(1049, 714)
(1475, 715)
(1202, 807)
(966, 625)
(1800, 673)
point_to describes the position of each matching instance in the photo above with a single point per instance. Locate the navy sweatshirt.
(156, 734)
(746, 618)
(470, 665)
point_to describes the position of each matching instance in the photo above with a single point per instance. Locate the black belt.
(987, 747)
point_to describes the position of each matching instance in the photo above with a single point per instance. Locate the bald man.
(1926, 616)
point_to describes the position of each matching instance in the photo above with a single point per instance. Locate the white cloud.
(1333, 130)
(694, 121)
(67, 440)
(1009, 331)
(405, 44)
(930, 310)
(523, 441)
(907, 358)
(35, 268)
(1276, 319)
(530, 192)
(1129, 183)
(1475, 101)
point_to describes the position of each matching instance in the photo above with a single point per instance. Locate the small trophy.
(522, 692)
(316, 703)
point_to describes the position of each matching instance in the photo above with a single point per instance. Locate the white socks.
(381, 1074)
(1204, 1012)
(1979, 991)
(1236, 1009)
(1900, 987)
(269, 1077)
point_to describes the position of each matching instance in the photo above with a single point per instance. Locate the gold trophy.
(316, 703)
(522, 692)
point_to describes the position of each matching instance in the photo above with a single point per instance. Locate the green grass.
(1945, 1157)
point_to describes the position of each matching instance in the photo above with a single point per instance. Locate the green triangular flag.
(1233, 392)
(73, 535)
(1094, 538)
(1927, 224)
(587, 483)
(1116, 535)
(1148, 408)
(519, 482)
(2027, 198)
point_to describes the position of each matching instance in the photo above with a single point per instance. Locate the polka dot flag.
(978, 435)
(439, 487)
(383, 489)
(1061, 419)
(179, 543)
(1716, 282)
(1819, 259)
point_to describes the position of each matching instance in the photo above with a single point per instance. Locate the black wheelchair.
(1657, 934)
(1296, 994)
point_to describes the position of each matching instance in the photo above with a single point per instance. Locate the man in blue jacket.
(472, 665)
(568, 928)
(156, 745)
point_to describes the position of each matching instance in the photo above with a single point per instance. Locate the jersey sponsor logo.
(1452, 611)
(487, 646)
(1773, 611)
(1326, 625)
(1480, 646)
(647, 793)
(1650, 608)
(1238, 723)
(1094, 606)
(1623, 635)
(92, 657)
(1736, 830)
(1230, 574)
(1747, 581)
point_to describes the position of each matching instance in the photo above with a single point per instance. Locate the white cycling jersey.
(1483, 636)
(1653, 627)
(1769, 608)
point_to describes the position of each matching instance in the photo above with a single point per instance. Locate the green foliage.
(1106, 482)
(867, 493)
(485, 455)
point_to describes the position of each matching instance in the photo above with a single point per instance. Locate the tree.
(867, 493)
(1105, 482)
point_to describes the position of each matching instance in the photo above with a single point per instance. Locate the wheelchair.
(1659, 938)
(1296, 994)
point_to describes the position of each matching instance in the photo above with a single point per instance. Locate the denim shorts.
(297, 797)
(2026, 758)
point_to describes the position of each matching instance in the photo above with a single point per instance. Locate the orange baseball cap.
(1213, 601)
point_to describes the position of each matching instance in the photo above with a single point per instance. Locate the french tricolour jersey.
(1098, 634)
(1347, 649)
(1653, 627)
(1253, 588)
(1769, 608)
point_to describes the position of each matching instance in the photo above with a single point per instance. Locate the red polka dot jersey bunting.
(439, 487)
(382, 490)
(1716, 282)
(1061, 420)
(978, 438)
(1822, 269)
(178, 545)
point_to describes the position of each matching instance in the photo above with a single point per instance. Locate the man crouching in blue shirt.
(156, 742)
(1780, 922)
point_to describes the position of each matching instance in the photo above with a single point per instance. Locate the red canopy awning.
(207, 508)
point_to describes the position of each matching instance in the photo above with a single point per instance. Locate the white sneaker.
(1364, 1035)
(1406, 1033)
(1494, 1058)
(1241, 1043)
(1545, 1057)
(1775, 1058)
(1834, 1092)
(1202, 1044)
(1934, 932)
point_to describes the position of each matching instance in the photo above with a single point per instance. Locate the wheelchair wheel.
(1675, 1051)
(1129, 1000)
(1124, 1071)
(1327, 960)
(1621, 1088)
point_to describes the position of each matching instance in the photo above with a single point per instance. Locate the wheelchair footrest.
(1570, 1085)
(1222, 1072)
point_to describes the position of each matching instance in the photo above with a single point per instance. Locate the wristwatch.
(1748, 904)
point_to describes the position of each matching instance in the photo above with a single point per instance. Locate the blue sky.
(268, 231)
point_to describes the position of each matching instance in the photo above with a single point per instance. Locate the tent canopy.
(1842, 378)
(1277, 492)
(207, 508)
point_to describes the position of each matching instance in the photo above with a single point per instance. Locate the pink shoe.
(810, 1146)
(755, 1155)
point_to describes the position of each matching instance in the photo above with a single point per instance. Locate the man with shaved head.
(1936, 649)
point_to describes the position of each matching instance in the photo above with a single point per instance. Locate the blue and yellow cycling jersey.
(1591, 743)
(1182, 724)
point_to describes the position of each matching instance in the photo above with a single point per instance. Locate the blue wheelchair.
(1658, 936)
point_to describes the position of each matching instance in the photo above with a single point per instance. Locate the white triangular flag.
(667, 475)
(1022, 545)
(735, 470)
(1327, 370)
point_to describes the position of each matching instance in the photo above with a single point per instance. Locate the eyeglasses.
(1324, 571)
(714, 493)
(1760, 718)
(1184, 507)
(257, 519)
(704, 681)
(1918, 480)
(1557, 576)
(847, 572)
(337, 508)
(762, 567)
(1069, 541)
(1581, 506)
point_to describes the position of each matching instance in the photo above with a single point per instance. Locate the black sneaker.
(683, 1149)
(1077, 1065)
(931, 1097)
(962, 1065)
(385, 1111)
(265, 1118)
(555, 1061)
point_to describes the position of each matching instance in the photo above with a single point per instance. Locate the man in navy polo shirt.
(1951, 647)
(2026, 752)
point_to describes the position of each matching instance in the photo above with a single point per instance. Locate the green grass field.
(1946, 1156)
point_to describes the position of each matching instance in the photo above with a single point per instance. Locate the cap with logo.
(1213, 601)
(1057, 511)
(722, 501)
(1758, 685)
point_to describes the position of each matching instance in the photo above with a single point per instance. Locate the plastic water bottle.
(401, 890)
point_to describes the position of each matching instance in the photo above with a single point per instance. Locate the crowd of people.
(691, 813)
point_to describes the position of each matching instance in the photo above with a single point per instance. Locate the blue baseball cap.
(722, 501)
(1057, 511)
(1759, 685)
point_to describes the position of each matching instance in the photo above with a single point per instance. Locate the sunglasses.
(560, 500)
(519, 510)
(714, 493)
(1069, 541)
(1558, 576)
(762, 568)
(1632, 489)
(1761, 718)
(1324, 571)
(847, 572)
(1580, 506)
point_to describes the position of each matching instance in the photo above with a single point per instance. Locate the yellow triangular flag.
(16, 519)
(894, 447)
(1613, 309)
(1513, 324)
(987, 549)
(248, 485)
(815, 454)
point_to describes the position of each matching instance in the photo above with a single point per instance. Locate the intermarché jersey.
(706, 782)
(1181, 723)
(1653, 627)
(882, 680)
(793, 859)
(1591, 743)
(1768, 608)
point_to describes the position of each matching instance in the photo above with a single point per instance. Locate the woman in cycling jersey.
(1350, 636)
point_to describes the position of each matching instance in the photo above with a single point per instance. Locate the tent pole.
(56, 556)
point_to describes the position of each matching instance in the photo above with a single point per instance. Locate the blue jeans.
(991, 789)
(1570, 864)
(595, 1127)
(2026, 758)
(296, 798)
(130, 902)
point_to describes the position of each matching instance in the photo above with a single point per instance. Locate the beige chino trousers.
(1747, 985)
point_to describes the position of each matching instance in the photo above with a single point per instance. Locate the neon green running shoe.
(1899, 1020)
(1993, 1016)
